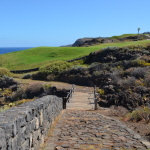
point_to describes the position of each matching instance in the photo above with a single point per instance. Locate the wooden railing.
(95, 98)
(67, 98)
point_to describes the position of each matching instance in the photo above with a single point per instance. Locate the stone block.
(25, 145)
(9, 127)
(2, 139)
(14, 143)
(41, 118)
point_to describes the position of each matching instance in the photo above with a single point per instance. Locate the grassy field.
(39, 56)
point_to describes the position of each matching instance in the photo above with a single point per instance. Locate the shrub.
(34, 90)
(77, 70)
(127, 83)
(140, 63)
(127, 64)
(97, 73)
(6, 81)
(39, 76)
(141, 90)
(139, 114)
(145, 58)
(6, 92)
(139, 83)
(4, 71)
(139, 72)
(18, 95)
(109, 49)
(117, 111)
(147, 81)
(135, 63)
(128, 72)
(51, 77)
(47, 86)
(115, 76)
(27, 76)
(99, 67)
(95, 67)
(148, 46)
(4, 108)
(54, 68)
(101, 91)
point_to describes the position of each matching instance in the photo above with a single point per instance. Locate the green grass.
(36, 57)
(123, 36)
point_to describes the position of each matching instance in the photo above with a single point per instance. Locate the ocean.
(4, 50)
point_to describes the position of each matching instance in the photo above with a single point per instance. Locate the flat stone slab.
(80, 129)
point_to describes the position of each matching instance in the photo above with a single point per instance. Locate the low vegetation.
(6, 81)
(123, 36)
(141, 114)
(4, 71)
(13, 104)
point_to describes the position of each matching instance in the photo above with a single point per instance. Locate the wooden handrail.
(69, 95)
(95, 98)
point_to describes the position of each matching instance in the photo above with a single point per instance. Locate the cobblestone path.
(79, 129)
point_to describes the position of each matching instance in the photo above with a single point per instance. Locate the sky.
(33, 23)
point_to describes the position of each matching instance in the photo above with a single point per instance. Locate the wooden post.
(73, 88)
(64, 102)
(95, 98)
(70, 93)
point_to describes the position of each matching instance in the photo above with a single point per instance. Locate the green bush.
(101, 91)
(139, 114)
(27, 76)
(4, 71)
(140, 63)
(54, 68)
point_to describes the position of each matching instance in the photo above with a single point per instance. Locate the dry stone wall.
(24, 127)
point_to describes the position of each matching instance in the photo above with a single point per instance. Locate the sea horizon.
(4, 50)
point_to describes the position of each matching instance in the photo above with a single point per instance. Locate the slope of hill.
(121, 73)
(39, 56)
(100, 40)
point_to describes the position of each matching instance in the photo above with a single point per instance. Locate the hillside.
(122, 75)
(39, 56)
(101, 40)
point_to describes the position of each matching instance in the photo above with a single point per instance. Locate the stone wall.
(24, 127)
(24, 71)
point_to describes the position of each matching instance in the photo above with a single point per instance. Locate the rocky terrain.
(82, 42)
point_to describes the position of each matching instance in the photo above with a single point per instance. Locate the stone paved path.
(79, 129)
(80, 101)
